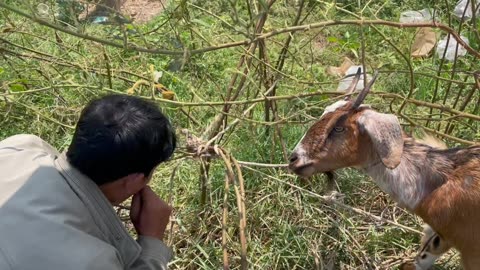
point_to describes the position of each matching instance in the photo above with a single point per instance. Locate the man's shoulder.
(27, 142)
(27, 160)
(22, 139)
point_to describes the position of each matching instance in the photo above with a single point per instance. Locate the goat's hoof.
(407, 266)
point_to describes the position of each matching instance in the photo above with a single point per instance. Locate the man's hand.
(149, 213)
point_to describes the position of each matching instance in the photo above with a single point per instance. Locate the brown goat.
(442, 186)
(432, 246)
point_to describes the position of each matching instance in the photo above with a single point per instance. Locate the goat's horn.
(365, 91)
(354, 83)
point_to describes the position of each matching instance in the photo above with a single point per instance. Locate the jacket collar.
(101, 209)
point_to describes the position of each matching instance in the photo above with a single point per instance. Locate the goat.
(442, 186)
(432, 246)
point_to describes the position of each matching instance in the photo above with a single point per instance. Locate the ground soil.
(140, 11)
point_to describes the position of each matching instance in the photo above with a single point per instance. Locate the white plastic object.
(157, 75)
(411, 16)
(452, 44)
(462, 5)
(346, 81)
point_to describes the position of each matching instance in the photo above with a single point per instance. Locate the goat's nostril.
(293, 158)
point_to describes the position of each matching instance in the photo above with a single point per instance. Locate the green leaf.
(201, 22)
(332, 39)
(354, 52)
(15, 87)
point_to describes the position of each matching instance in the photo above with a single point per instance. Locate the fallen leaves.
(424, 42)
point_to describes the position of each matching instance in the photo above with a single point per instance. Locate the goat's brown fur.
(442, 186)
(452, 209)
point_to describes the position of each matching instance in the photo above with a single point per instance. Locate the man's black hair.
(118, 135)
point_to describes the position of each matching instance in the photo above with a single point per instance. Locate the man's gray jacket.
(52, 217)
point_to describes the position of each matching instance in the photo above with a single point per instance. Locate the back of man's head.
(118, 135)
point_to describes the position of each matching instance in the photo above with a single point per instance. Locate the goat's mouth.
(304, 170)
(309, 169)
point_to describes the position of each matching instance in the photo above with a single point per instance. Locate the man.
(56, 209)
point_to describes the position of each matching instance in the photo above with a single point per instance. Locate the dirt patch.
(140, 11)
(320, 42)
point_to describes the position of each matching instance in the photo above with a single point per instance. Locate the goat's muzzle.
(300, 165)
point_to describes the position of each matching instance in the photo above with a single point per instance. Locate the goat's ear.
(385, 133)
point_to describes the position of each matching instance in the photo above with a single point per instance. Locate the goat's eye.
(339, 129)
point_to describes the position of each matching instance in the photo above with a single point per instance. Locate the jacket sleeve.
(155, 255)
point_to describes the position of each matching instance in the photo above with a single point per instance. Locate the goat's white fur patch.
(333, 107)
(468, 181)
(411, 180)
(300, 150)
(427, 262)
(403, 183)
(300, 146)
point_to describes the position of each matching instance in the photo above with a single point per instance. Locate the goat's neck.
(418, 174)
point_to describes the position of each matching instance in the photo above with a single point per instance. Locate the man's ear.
(134, 182)
(385, 133)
